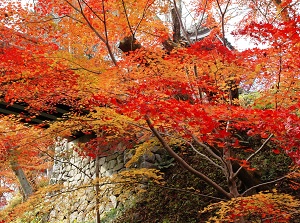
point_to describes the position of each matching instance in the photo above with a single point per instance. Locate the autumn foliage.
(196, 93)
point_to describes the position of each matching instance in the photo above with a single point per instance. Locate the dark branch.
(183, 163)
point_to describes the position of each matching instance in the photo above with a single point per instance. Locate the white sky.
(239, 44)
(237, 15)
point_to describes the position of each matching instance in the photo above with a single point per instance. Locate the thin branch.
(64, 162)
(197, 24)
(104, 40)
(188, 191)
(262, 184)
(133, 32)
(204, 156)
(190, 144)
(253, 154)
(127, 19)
(222, 20)
(143, 15)
(228, 2)
(91, 186)
(73, 6)
(92, 10)
(73, 18)
(183, 163)
(207, 149)
(89, 24)
(261, 12)
(106, 35)
(77, 64)
(199, 88)
(51, 19)
(280, 12)
(202, 17)
(279, 79)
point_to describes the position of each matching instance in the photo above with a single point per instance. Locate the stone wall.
(76, 202)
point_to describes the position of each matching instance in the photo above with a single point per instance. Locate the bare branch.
(54, 18)
(204, 156)
(261, 12)
(183, 163)
(253, 154)
(80, 67)
(188, 191)
(103, 39)
(89, 24)
(127, 19)
(207, 149)
(106, 35)
(73, 6)
(64, 162)
(190, 144)
(143, 15)
(223, 19)
(263, 184)
(92, 10)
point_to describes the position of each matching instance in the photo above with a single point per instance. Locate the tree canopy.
(127, 78)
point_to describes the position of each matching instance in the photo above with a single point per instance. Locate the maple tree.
(183, 91)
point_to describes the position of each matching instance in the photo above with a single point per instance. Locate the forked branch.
(183, 163)
(253, 154)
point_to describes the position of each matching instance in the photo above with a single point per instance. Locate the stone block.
(73, 160)
(92, 170)
(66, 184)
(73, 216)
(158, 158)
(86, 161)
(118, 167)
(52, 181)
(86, 180)
(93, 175)
(128, 154)
(158, 150)
(102, 169)
(147, 165)
(113, 200)
(102, 160)
(90, 196)
(65, 178)
(149, 157)
(111, 164)
(111, 157)
(71, 172)
(68, 168)
(87, 171)
(108, 173)
(78, 161)
(78, 177)
(105, 165)
(92, 164)
(102, 208)
(120, 158)
(80, 216)
(90, 207)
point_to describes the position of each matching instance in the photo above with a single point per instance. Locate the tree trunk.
(25, 185)
(97, 169)
(176, 22)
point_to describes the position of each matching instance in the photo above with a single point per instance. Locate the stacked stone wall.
(76, 202)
